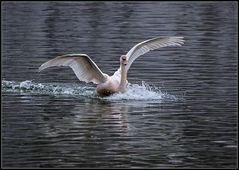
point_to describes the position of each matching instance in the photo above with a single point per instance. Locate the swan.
(86, 70)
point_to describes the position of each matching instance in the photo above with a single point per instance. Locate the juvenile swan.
(86, 70)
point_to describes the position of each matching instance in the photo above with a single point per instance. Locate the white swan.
(86, 70)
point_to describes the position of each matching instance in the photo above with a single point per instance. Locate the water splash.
(138, 92)
(46, 88)
(134, 92)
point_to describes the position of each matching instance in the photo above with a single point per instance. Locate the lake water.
(181, 106)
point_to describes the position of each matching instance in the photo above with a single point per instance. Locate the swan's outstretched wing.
(151, 44)
(84, 68)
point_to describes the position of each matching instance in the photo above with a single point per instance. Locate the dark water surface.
(180, 110)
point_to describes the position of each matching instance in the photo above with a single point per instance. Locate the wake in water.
(46, 88)
(134, 92)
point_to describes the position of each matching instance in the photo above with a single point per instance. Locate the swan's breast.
(107, 88)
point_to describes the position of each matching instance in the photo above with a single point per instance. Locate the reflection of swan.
(86, 70)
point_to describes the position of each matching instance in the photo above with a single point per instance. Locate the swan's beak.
(124, 60)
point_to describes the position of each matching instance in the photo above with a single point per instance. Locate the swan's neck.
(123, 78)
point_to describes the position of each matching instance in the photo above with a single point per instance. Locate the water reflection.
(69, 132)
(111, 117)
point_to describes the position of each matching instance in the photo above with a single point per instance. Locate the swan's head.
(123, 60)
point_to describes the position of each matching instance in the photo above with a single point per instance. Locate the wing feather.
(82, 65)
(151, 44)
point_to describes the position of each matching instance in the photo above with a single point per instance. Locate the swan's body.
(86, 70)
